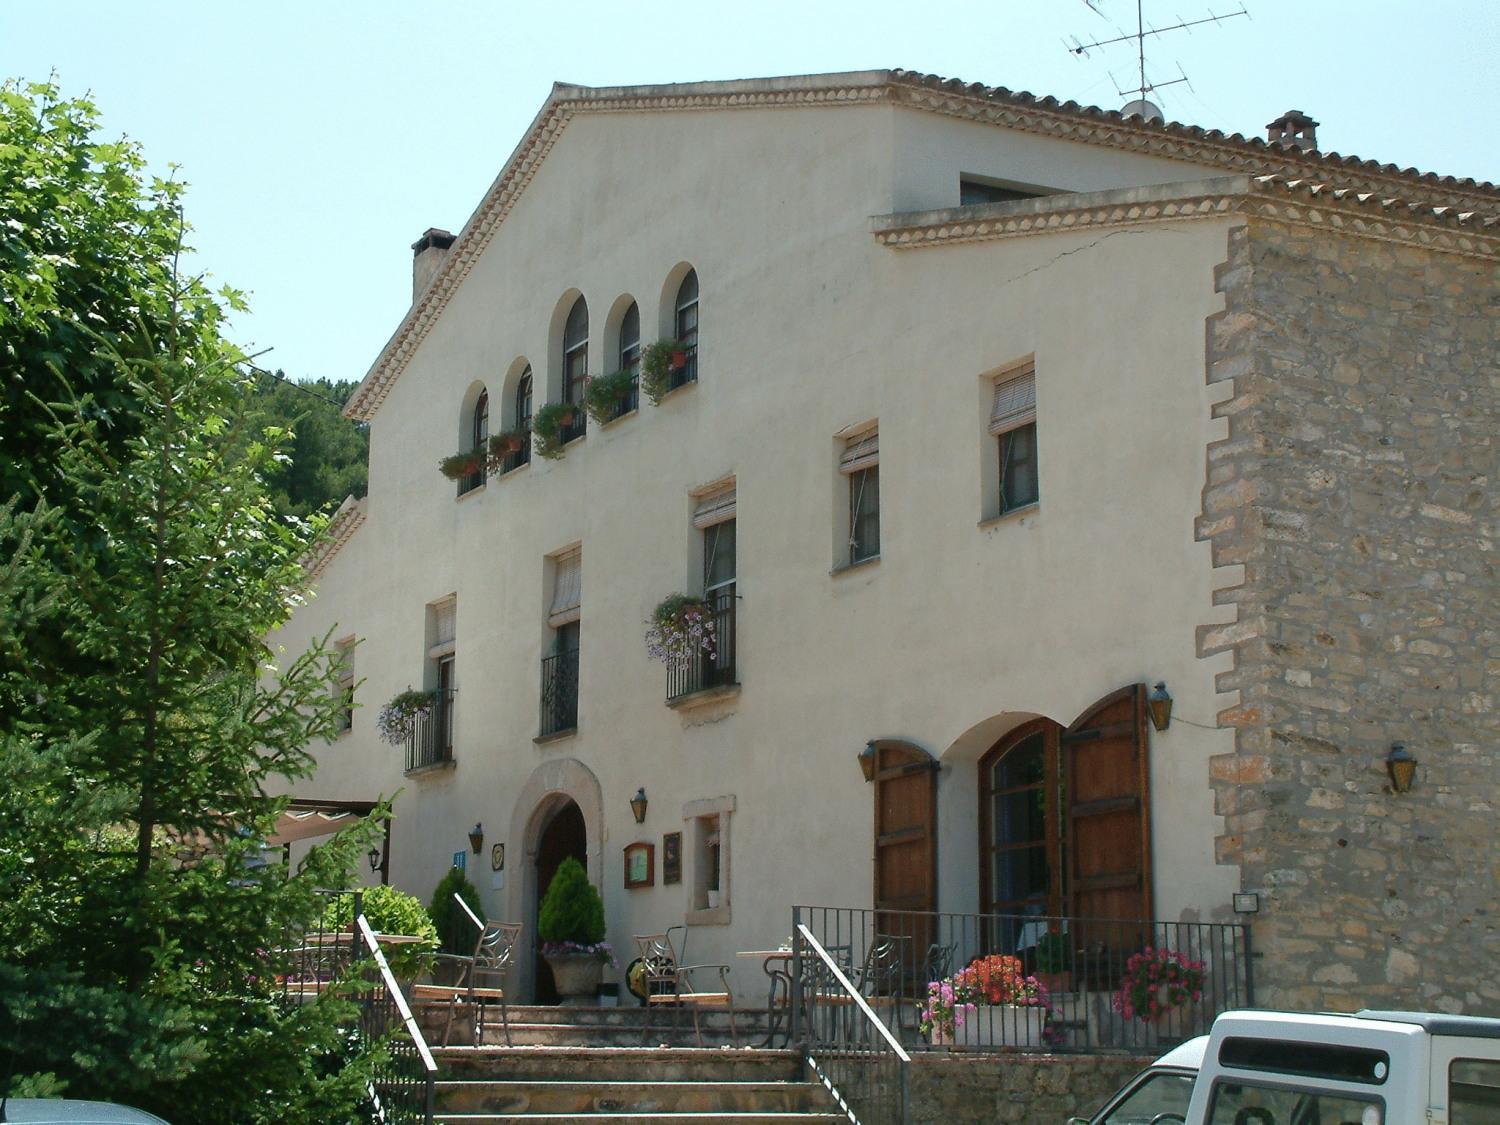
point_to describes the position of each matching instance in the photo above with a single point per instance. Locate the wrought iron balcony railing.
(704, 670)
(430, 742)
(559, 692)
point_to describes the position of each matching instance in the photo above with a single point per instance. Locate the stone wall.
(1027, 1089)
(1357, 487)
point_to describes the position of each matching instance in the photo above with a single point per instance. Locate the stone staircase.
(598, 1065)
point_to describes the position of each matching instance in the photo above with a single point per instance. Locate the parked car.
(66, 1111)
(1295, 1068)
(1166, 1086)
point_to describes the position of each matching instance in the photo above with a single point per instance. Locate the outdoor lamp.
(476, 837)
(374, 857)
(638, 805)
(1401, 766)
(1159, 706)
(867, 761)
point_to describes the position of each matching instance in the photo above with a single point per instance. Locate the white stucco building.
(942, 444)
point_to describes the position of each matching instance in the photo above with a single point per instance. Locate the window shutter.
(567, 589)
(714, 507)
(1014, 404)
(861, 453)
(444, 628)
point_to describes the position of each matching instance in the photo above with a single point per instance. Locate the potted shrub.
(398, 718)
(548, 426)
(457, 466)
(1053, 970)
(505, 444)
(391, 911)
(679, 628)
(992, 1002)
(659, 362)
(1158, 982)
(604, 394)
(570, 925)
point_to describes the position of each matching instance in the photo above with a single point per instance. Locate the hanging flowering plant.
(398, 718)
(680, 627)
(1156, 982)
(992, 980)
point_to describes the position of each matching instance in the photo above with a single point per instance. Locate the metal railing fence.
(404, 1084)
(847, 1045)
(704, 670)
(559, 692)
(1053, 983)
(430, 742)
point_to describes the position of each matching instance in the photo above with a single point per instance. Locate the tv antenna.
(1141, 105)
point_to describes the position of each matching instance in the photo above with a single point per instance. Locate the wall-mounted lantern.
(867, 761)
(1159, 706)
(373, 855)
(638, 805)
(476, 837)
(1401, 766)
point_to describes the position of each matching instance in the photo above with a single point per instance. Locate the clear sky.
(321, 137)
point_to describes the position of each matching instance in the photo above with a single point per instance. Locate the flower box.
(995, 1025)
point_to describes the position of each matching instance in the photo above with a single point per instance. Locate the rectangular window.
(714, 516)
(860, 463)
(1013, 424)
(710, 863)
(718, 556)
(430, 742)
(559, 703)
(1473, 1091)
(344, 689)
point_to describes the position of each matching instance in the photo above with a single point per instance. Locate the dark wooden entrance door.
(905, 848)
(563, 836)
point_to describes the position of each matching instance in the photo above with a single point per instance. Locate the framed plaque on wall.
(640, 865)
(671, 858)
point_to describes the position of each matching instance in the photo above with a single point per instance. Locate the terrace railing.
(848, 1047)
(1093, 989)
(559, 710)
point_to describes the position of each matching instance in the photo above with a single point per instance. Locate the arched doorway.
(563, 836)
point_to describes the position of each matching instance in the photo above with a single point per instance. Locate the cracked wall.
(1357, 487)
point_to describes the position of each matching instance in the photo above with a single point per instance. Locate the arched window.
(575, 365)
(685, 328)
(522, 423)
(479, 435)
(630, 357)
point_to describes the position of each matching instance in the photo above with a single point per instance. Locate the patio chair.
(670, 983)
(882, 978)
(481, 976)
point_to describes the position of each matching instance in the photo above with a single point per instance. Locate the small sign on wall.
(497, 858)
(640, 865)
(461, 860)
(671, 858)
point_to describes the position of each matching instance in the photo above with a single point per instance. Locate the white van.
(1287, 1068)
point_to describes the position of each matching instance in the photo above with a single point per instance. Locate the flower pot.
(576, 975)
(678, 361)
(713, 900)
(999, 1025)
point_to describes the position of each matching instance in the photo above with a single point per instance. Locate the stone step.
(631, 1016)
(618, 1064)
(728, 1118)
(590, 1096)
(610, 1035)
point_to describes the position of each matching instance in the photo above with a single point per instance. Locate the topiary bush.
(455, 931)
(571, 919)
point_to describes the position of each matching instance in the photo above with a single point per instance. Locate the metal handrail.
(838, 1059)
(371, 1021)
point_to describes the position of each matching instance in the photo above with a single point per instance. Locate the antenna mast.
(1141, 31)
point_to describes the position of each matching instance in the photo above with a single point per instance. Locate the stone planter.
(577, 977)
(1000, 1025)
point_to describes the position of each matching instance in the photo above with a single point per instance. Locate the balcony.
(687, 373)
(559, 693)
(703, 671)
(430, 743)
(628, 404)
(575, 429)
(513, 461)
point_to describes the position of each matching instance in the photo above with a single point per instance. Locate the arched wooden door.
(1064, 816)
(905, 845)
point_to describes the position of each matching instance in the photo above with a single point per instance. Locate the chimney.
(1294, 129)
(427, 254)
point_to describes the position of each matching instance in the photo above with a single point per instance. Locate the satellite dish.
(1142, 108)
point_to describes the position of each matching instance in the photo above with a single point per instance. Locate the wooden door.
(1107, 835)
(905, 847)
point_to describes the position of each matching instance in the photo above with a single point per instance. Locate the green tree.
(142, 717)
(328, 454)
